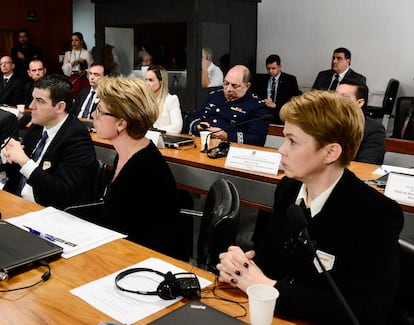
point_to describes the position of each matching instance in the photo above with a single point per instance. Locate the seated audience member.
(232, 105)
(170, 118)
(340, 69)
(372, 148)
(35, 70)
(23, 53)
(11, 86)
(211, 74)
(55, 164)
(143, 191)
(276, 88)
(85, 103)
(354, 228)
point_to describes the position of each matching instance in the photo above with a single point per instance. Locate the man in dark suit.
(55, 164)
(85, 103)
(276, 88)
(35, 71)
(340, 69)
(11, 86)
(372, 148)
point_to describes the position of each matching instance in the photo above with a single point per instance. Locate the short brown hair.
(329, 118)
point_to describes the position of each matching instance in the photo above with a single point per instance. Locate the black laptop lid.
(20, 249)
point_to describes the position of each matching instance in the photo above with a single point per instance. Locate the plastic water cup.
(203, 139)
(262, 302)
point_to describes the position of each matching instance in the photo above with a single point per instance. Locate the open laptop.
(175, 141)
(20, 249)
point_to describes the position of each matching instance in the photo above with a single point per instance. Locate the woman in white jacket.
(170, 118)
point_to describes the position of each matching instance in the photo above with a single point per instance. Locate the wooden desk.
(195, 172)
(52, 303)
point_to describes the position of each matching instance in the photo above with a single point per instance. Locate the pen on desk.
(40, 234)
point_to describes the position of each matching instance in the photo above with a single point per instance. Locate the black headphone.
(170, 288)
(220, 151)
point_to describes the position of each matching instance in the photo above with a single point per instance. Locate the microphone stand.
(328, 277)
(224, 150)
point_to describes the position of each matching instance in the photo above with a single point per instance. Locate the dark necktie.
(305, 209)
(88, 105)
(34, 156)
(334, 82)
(273, 90)
(5, 81)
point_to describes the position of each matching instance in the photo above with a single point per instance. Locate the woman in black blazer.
(354, 228)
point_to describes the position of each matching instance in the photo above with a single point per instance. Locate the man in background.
(276, 88)
(340, 69)
(11, 86)
(230, 105)
(211, 75)
(35, 71)
(23, 53)
(372, 148)
(85, 103)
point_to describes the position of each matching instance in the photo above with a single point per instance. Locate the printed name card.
(253, 160)
(400, 187)
(155, 137)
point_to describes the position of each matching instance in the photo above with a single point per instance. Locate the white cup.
(20, 108)
(262, 301)
(203, 139)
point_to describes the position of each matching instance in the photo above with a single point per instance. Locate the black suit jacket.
(372, 148)
(360, 227)
(8, 125)
(287, 87)
(80, 99)
(13, 92)
(324, 78)
(66, 171)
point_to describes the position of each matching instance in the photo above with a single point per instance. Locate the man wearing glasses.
(56, 162)
(11, 86)
(231, 105)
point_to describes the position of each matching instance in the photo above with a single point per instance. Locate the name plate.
(400, 187)
(253, 160)
(155, 137)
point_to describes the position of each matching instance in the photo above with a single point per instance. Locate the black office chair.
(402, 108)
(91, 210)
(390, 97)
(219, 224)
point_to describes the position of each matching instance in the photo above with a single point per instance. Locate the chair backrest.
(403, 107)
(101, 182)
(219, 225)
(390, 96)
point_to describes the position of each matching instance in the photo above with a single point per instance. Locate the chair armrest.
(191, 213)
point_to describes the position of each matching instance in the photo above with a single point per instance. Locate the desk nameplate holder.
(253, 160)
(400, 187)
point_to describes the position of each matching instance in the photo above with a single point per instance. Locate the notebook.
(175, 141)
(20, 249)
(198, 313)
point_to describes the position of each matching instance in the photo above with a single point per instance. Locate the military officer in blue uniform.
(232, 105)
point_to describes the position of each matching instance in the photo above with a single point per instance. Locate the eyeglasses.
(234, 86)
(6, 62)
(98, 113)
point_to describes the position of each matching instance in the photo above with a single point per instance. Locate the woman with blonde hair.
(142, 200)
(170, 118)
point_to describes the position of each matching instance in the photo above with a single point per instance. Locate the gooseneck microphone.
(224, 147)
(299, 224)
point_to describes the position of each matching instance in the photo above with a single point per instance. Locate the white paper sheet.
(73, 234)
(126, 307)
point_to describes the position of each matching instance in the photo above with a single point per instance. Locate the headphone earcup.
(223, 146)
(169, 289)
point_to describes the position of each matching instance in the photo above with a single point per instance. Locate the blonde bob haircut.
(329, 118)
(132, 100)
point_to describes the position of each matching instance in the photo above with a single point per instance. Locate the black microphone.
(224, 147)
(299, 224)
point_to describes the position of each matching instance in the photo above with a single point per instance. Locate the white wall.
(304, 33)
(84, 20)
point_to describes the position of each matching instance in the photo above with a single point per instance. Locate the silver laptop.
(175, 141)
(20, 249)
